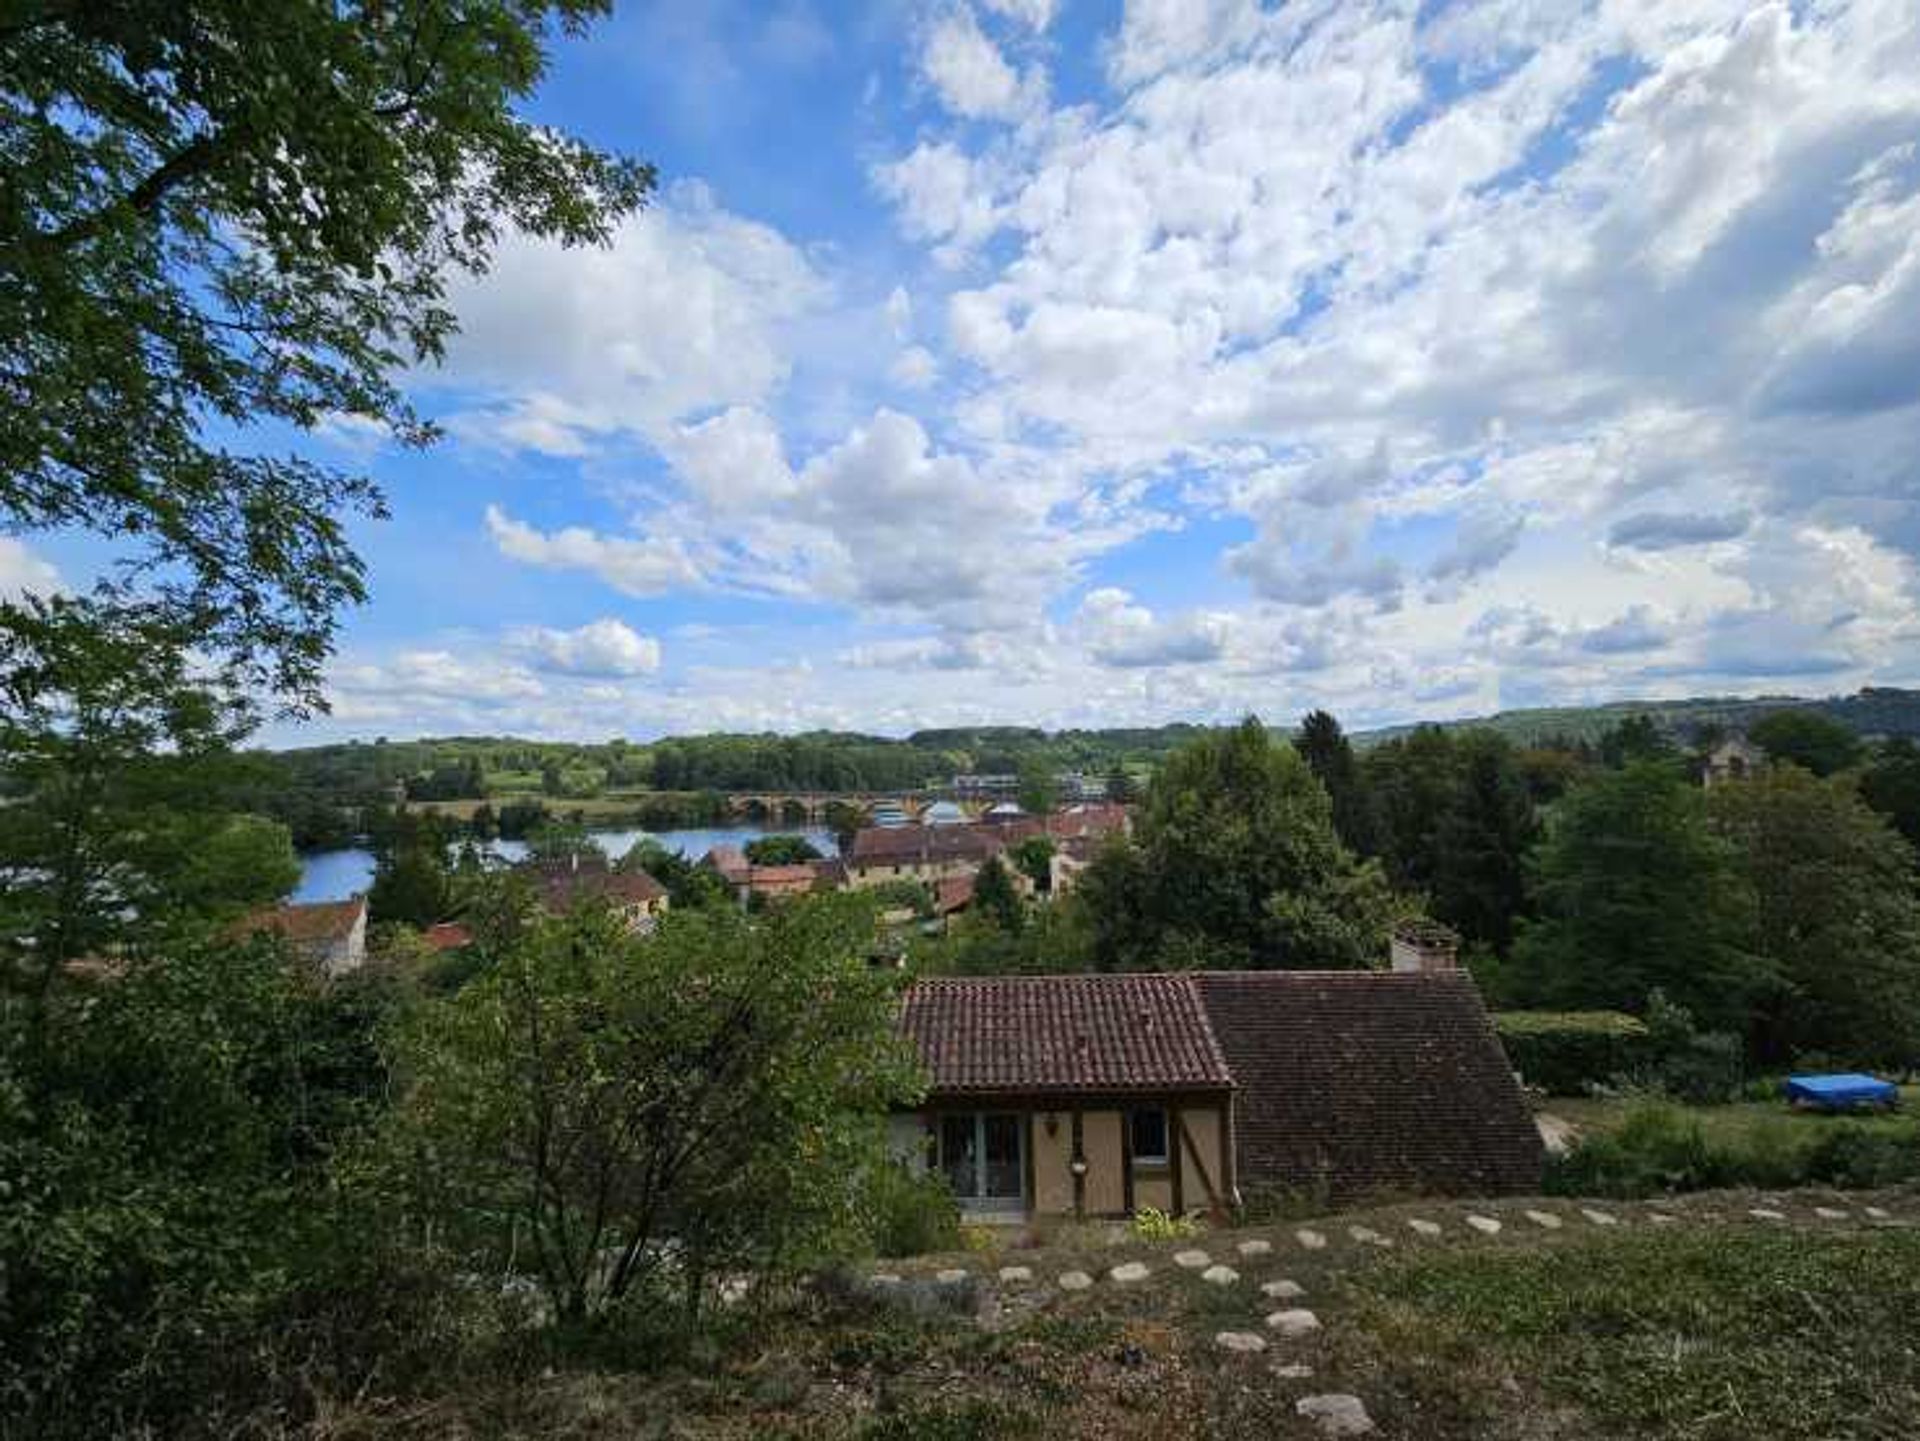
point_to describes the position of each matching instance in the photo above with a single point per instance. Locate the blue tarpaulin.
(1836, 1093)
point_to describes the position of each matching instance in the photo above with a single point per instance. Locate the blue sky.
(1086, 362)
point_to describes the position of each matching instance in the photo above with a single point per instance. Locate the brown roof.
(1006, 1035)
(952, 893)
(1369, 1081)
(562, 890)
(307, 923)
(1093, 820)
(447, 936)
(730, 861)
(897, 845)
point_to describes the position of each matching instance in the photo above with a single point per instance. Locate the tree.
(1633, 891)
(1236, 864)
(1891, 785)
(411, 885)
(1033, 858)
(1120, 787)
(227, 214)
(1636, 738)
(1808, 739)
(994, 896)
(1479, 883)
(1839, 909)
(689, 884)
(562, 843)
(1039, 790)
(1329, 754)
(781, 851)
(722, 1084)
(121, 762)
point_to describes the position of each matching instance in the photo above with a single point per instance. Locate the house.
(636, 897)
(747, 881)
(943, 813)
(919, 853)
(330, 935)
(1095, 1095)
(1734, 759)
(447, 936)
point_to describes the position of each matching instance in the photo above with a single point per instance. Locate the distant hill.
(1876, 711)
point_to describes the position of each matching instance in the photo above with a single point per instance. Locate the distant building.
(1734, 759)
(919, 853)
(943, 813)
(748, 881)
(330, 935)
(636, 897)
(977, 788)
(890, 815)
(447, 936)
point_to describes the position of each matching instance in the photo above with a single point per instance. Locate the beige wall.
(1100, 1141)
(879, 873)
(1052, 1159)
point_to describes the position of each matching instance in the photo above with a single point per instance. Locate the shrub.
(1568, 1053)
(1704, 1067)
(1853, 1157)
(912, 1215)
(1658, 1148)
(1152, 1224)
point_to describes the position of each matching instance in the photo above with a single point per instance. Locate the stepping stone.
(1661, 1218)
(1425, 1228)
(1075, 1281)
(1255, 1248)
(1016, 1273)
(950, 1278)
(1368, 1236)
(1220, 1275)
(1293, 1323)
(1829, 1213)
(1293, 1372)
(1283, 1290)
(1312, 1240)
(1242, 1341)
(1600, 1218)
(1485, 1225)
(1192, 1260)
(1336, 1415)
(1879, 1213)
(883, 1279)
(1545, 1218)
(1130, 1271)
(1765, 1213)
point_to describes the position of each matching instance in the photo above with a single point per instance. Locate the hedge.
(1565, 1053)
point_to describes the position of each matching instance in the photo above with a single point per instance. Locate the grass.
(1745, 1122)
(1711, 1328)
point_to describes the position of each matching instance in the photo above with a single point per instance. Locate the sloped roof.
(1370, 1081)
(562, 890)
(893, 845)
(1007, 1035)
(447, 936)
(308, 923)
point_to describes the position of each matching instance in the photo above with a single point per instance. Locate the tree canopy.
(1808, 739)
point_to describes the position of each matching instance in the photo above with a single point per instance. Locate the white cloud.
(966, 68)
(1034, 14)
(22, 571)
(1118, 632)
(634, 567)
(605, 647)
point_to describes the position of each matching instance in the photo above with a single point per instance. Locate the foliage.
(1329, 754)
(1056, 939)
(229, 215)
(596, 1093)
(689, 884)
(1891, 785)
(1236, 864)
(564, 841)
(120, 760)
(995, 899)
(1839, 911)
(1150, 1223)
(1808, 739)
(1568, 1053)
(911, 1214)
(1683, 1061)
(1033, 858)
(781, 850)
(1039, 791)
(1633, 891)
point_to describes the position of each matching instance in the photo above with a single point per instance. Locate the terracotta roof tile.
(923, 845)
(307, 923)
(1090, 1034)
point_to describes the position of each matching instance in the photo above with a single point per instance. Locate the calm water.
(335, 875)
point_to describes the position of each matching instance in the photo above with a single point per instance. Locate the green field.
(1749, 1121)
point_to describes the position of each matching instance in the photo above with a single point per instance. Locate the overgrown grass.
(1702, 1334)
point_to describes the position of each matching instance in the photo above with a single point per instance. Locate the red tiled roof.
(1010, 1035)
(562, 890)
(924, 845)
(307, 923)
(952, 893)
(447, 936)
(730, 861)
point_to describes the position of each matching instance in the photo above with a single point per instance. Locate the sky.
(1075, 362)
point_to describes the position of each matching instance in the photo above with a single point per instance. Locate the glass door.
(983, 1157)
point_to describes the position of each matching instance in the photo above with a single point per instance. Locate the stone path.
(1338, 1413)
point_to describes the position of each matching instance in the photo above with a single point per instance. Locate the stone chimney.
(1423, 946)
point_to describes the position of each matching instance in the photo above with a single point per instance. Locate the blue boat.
(1841, 1093)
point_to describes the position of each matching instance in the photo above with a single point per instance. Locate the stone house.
(329, 935)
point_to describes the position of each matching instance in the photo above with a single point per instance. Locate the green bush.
(1568, 1053)
(1703, 1067)
(1658, 1148)
(1853, 1157)
(912, 1215)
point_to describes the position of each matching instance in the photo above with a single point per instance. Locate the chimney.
(1423, 946)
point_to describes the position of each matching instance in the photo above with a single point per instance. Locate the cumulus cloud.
(22, 571)
(632, 566)
(605, 647)
(966, 68)
(1119, 632)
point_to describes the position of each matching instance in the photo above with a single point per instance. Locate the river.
(335, 875)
